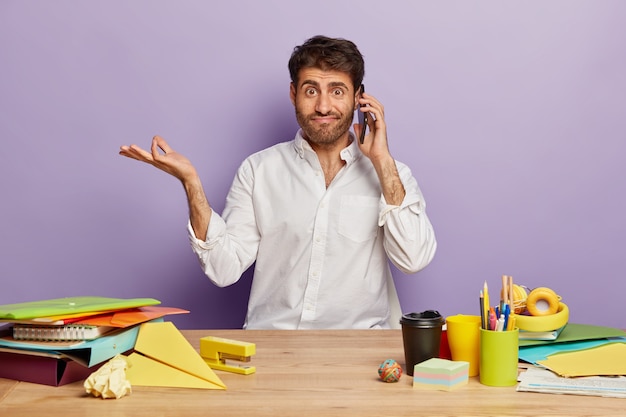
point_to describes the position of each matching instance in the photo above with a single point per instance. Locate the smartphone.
(362, 119)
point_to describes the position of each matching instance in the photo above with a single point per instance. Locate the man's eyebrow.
(310, 82)
(317, 84)
(338, 84)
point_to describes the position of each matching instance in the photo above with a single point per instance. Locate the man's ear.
(357, 96)
(292, 93)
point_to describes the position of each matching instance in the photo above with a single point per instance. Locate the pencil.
(511, 323)
(486, 305)
(482, 310)
(505, 293)
(511, 293)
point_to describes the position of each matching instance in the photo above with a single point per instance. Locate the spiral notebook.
(68, 332)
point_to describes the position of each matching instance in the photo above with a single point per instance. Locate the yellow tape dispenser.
(547, 311)
(216, 351)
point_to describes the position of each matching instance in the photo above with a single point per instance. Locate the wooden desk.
(303, 373)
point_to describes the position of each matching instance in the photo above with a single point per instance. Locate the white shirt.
(321, 253)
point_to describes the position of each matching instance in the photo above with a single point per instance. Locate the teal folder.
(573, 337)
(69, 305)
(88, 353)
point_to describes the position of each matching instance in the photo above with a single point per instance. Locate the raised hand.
(169, 161)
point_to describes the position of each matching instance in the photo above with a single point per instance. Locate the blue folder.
(88, 353)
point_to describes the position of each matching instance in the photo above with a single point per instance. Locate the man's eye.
(338, 92)
(310, 91)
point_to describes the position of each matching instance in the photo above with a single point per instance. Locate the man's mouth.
(324, 119)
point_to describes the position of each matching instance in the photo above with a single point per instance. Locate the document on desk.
(545, 381)
(609, 360)
(534, 354)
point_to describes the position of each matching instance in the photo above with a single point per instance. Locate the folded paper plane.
(164, 358)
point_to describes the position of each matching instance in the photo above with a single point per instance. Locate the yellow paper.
(605, 360)
(152, 373)
(164, 358)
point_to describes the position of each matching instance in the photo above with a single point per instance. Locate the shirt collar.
(350, 153)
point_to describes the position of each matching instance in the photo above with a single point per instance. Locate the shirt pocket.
(358, 217)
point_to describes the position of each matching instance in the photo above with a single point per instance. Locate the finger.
(125, 151)
(371, 100)
(136, 152)
(377, 109)
(161, 143)
(371, 121)
(374, 106)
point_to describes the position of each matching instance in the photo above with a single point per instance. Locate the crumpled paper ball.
(110, 380)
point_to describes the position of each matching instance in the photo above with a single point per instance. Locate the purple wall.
(511, 114)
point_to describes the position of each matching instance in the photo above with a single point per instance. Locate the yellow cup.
(499, 357)
(464, 340)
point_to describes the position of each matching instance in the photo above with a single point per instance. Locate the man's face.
(325, 104)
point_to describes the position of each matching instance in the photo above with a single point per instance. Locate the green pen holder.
(499, 357)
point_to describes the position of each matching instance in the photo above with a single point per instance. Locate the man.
(320, 215)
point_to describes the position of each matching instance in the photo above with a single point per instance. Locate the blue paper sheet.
(533, 354)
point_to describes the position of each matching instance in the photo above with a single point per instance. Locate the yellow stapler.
(216, 350)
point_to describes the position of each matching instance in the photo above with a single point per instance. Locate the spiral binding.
(56, 333)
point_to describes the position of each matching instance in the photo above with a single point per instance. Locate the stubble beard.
(325, 135)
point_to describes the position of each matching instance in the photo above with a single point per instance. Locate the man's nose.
(323, 104)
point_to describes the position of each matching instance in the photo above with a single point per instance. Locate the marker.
(492, 319)
(500, 324)
(507, 312)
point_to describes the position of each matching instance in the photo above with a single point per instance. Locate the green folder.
(69, 305)
(578, 332)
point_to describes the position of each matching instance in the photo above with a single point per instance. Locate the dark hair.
(328, 54)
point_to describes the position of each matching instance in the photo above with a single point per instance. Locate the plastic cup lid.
(428, 318)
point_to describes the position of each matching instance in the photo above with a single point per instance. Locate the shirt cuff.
(415, 204)
(215, 230)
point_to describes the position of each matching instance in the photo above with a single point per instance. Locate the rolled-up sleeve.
(232, 239)
(221, 271)
(410, 241)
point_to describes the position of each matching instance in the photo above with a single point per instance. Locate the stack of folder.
(583, 360)
(58, 341)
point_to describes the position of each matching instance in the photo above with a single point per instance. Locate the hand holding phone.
(362, 118)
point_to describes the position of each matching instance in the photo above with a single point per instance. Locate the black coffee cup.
(421, 335)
